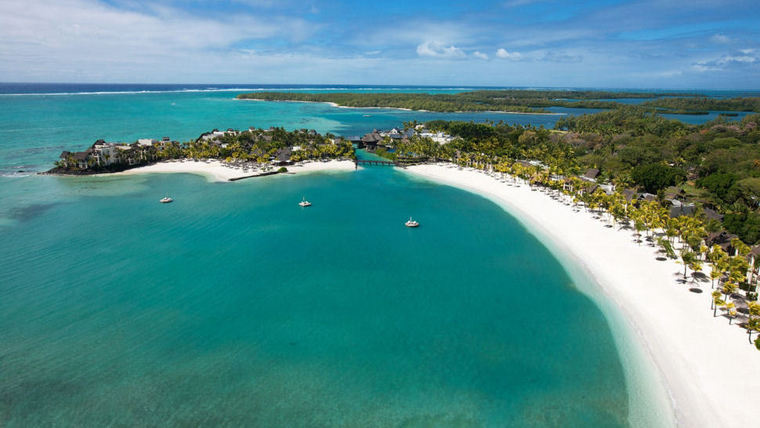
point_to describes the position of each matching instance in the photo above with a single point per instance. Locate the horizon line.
(531, 87)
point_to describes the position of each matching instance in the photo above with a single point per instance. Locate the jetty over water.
(372, 162)
(402, 162)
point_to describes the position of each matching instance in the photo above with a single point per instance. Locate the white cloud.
(744, 58)
(505, 54)
(480, 55)
(720, 38)
(657, 74)
(88, 29)
(87, 40)
(702, 67)
(438, 50)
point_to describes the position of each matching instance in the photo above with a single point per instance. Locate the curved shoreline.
(664, 331)
(215, 170)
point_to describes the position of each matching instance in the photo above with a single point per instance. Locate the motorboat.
(411, 223)
(166, 200)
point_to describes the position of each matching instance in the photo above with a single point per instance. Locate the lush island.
(692, 104)
(521, 101)
(270, 147)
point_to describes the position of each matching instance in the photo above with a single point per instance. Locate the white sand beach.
(708, 368)
(216, 170)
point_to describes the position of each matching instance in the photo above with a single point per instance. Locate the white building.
(438, 137)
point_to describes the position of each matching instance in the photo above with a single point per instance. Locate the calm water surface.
(234, 306)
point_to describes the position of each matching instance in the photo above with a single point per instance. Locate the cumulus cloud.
(80, 26)
(83, 40)
(505, 54)
(438, 50)
(740, 59)
(481, 55)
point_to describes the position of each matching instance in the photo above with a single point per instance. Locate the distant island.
(517, 101)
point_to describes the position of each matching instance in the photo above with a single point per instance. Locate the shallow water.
(234, 305)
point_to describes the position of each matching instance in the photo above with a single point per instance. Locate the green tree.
(688, 259)
(656, 176)
(716, 302)
(753, 322)
(730, 311)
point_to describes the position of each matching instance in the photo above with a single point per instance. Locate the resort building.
(590, 175)
(104, 155)
(438, 137)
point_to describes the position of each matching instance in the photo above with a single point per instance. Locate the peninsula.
(223, 155)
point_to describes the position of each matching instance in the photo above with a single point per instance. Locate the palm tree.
(695, 266)
(716, 302)
(714, 274)
(688, 258)
(752, 318)
(667, 248)
(729, 288)
(715, 254)
(730, 311)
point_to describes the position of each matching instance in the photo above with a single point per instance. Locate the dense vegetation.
(714, 166)
(255, 146)
(526, 101)
(263, 145)
(703, 104)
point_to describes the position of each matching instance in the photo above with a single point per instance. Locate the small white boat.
(411, 223)
(166, 200)
(304, 203)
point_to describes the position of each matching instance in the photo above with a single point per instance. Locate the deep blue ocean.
(233, 306)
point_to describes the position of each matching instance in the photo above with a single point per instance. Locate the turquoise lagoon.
(234, 306)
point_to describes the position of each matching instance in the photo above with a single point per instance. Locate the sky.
(679, 44)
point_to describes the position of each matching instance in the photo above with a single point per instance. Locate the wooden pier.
(402, 162)
(261, 174)
(374, 162)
